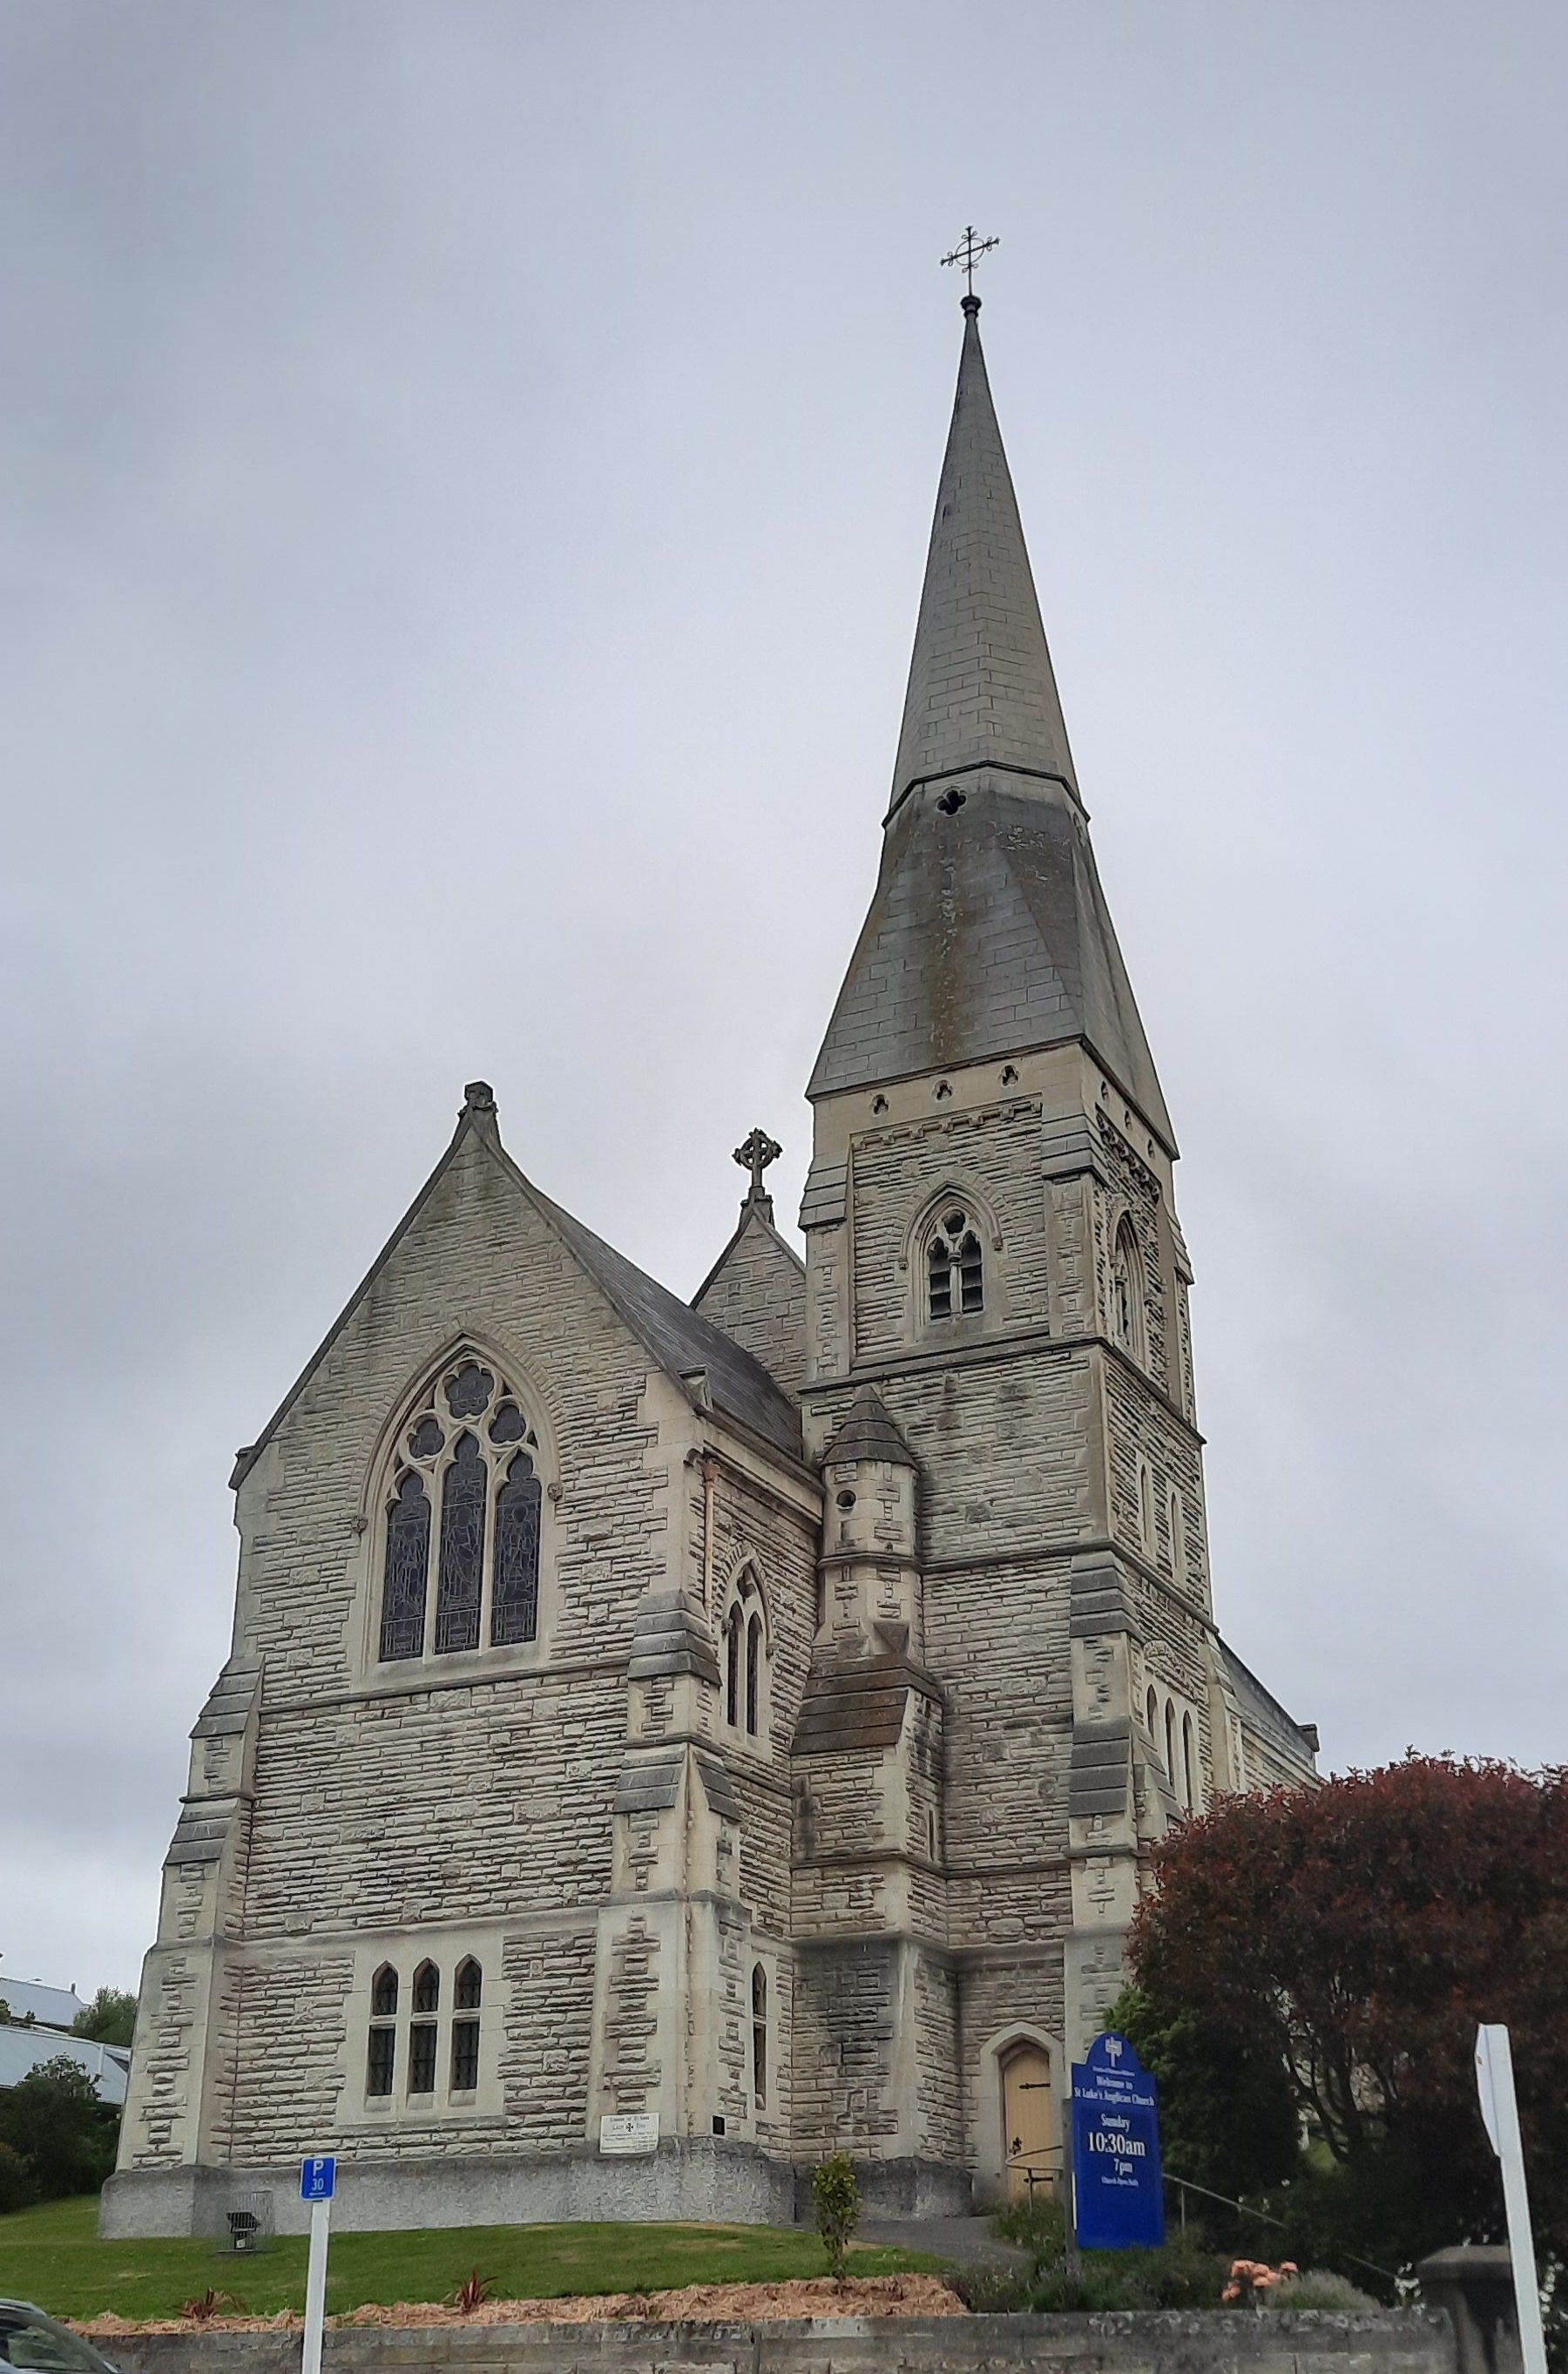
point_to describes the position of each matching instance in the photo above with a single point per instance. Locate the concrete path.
(968, 2241)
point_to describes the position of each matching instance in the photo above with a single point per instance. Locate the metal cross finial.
(755, 1154)
(968, 252)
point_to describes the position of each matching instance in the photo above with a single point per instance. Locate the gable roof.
(677, 1341)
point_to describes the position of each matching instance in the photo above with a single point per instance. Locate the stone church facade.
(665, 1743)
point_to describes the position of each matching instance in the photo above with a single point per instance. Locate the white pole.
(1500, 2108)
(316, 2289)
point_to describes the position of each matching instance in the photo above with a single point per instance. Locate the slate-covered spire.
(989, 935)
(981, 687)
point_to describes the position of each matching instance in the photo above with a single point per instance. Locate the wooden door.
(1029, 2139)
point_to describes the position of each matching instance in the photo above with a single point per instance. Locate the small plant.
(835, 2197)
(209, 2303)
(1251, 2281)
(1036, 2222)
(472, 2292)
(1318, 2287)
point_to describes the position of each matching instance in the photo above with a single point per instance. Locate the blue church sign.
(1119, 2198)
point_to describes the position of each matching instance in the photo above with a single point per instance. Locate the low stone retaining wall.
(1307, 2343)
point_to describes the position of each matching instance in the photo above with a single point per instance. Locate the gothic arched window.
(759, 2036)
(381, 2050)
(754, 1672)
(1171, 1745)
(743, 1634)
(466, 1991)
(955, 1278)
(1188, 1764)
(422, 2029)
(1176, 1522)
(1127, 1290)
(470, 1452)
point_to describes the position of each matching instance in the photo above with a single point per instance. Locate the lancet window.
(955, 1276)
(759, 2036)
(463, 1521)
(743, 1637)
(1127, 1290)
(423, 2042)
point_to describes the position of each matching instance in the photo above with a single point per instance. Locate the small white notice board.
(634, 2131)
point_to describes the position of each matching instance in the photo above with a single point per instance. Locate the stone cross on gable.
(754, 1155)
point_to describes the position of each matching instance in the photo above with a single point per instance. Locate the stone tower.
(1017, 1676)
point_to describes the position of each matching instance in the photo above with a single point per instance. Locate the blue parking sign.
(318, 2179)
(1117, 2195)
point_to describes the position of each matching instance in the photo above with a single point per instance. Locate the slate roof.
(988, 932)
(680, 1341)
(1263, 1711)
(981, 685)
(867, 1432)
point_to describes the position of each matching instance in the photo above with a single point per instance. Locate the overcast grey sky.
(467, 473)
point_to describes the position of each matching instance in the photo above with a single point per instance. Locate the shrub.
(15, 2183)
(835, 2197)
(57, 2127)
(991, 2291)
(1180, 2276)
(1318, 2287)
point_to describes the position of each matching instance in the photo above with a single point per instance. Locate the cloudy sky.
(467, 472)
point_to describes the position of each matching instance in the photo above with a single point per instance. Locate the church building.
(665, 1743)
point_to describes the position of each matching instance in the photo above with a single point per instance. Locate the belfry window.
(463, 1512)
(955, 1282)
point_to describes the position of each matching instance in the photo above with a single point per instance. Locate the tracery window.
(1127, 1290)
(471, 1454)
(955, 1279)
(759, 2036)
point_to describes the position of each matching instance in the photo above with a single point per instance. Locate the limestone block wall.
(758, 1294)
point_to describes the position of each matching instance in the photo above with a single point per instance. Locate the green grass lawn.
(53, 2256)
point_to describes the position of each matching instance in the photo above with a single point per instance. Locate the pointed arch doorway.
(1032, 2157)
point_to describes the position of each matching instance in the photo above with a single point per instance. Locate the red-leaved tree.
(1357, 1934)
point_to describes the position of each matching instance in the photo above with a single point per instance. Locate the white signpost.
(318, 2179)
(1494, 2078)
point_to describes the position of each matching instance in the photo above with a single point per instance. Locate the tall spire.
(981, 687)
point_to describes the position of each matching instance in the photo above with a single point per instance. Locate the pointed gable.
(756, 1293)
(710, 1368)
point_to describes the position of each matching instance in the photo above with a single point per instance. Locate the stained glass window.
(470, 1390)
(405, 1570)
(514, 1606)
(462, 1579)
(483, 1544)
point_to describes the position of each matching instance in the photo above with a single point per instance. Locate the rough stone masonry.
(662, 1742)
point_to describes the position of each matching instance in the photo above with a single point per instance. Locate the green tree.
(109, 2018)
(54, 2123)
(1228, 2117)
(1350, 1939)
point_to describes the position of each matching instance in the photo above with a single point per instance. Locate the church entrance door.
(1032, 2155)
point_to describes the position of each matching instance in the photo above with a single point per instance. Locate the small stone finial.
(479, 1097)
(754, 1156)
